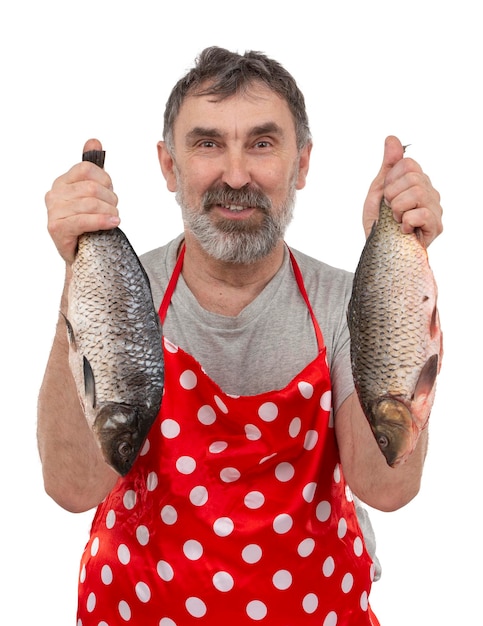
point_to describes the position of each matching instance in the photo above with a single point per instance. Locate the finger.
(92, 144)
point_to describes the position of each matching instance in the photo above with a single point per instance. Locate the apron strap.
(168, 294)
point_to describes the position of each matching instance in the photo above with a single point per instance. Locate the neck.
(227, 288)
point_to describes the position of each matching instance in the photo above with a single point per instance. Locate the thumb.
(92, 144)
(393, 152)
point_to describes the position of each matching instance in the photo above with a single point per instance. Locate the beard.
(237, 241)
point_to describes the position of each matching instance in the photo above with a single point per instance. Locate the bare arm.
(75, 474)
(365, 468)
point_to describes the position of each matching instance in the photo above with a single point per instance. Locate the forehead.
(255, 106)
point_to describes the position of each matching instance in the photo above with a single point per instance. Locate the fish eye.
(382, 441)
(125, 450)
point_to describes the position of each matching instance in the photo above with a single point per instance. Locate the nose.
(236, 170)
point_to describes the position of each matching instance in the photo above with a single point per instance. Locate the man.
(239, 507)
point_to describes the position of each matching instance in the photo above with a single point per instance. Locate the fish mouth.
(393, 426)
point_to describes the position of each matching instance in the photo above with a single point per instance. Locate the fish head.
(392, 424)
(120, 430)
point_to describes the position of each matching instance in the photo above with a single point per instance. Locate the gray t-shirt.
(271, 340)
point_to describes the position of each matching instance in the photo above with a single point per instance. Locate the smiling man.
(240, 507)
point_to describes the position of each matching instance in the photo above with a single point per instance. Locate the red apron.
(236, 511)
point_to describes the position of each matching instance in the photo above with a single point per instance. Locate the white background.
(73, 70)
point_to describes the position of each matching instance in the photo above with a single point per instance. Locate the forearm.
(75, 474)
(365, 468)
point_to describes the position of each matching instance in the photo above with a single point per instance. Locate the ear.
(304, 160)
(167, 165)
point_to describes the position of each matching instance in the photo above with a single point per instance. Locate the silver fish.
(396, 338)
(115, 348)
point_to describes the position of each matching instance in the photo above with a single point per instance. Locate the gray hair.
(229, 73)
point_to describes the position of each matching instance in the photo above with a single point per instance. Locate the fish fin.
(70, 332)
(89, 383)
(427, 377)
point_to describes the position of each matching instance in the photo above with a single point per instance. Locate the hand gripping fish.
(396, 339)
(115, 348)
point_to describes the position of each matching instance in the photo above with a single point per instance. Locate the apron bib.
(236, 511)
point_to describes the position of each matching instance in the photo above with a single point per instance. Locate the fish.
(396, 341)
(115, 342)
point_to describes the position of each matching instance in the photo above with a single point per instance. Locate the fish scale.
(115, 347)
(396, 339)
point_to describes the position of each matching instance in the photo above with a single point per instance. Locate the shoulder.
(319, 275)
(159, 264)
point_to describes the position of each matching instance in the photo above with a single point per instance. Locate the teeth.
(235, 207)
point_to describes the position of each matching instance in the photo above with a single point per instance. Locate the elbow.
(391, 498)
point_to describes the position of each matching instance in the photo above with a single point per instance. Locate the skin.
(244, 139)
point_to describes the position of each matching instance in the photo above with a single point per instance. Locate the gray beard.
(234, 241)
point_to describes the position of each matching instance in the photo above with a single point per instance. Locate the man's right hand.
(81, 200)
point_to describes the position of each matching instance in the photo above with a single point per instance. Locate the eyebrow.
(269, 128)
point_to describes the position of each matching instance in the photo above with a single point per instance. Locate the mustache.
(246, 196)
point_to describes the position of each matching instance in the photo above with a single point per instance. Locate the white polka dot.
(192, 549)
(254, 500)
(223, 526)
(166, 621)
(284, 472)
(348, 494)
(91, 602)
(311, 439)
(295, 427)
(282, 523)
(341, 528)
(308, 492)
(358, 546)
(170, 428)
(143, 592)
(169, 515)
(218, 446)
(186, 465)
(347, 583)
(306, 547)
(323, 511)
(252, 553)
(223, 581)
(337, 475)
(106, 574)
(142, 535)
(364, 602)
(326, 401)
(152, 481)
(82, 575)
(328, 567)
(331, 619)
(145, 448)
(306, 389)
(268, 411)
(267, 458)
(165, 571)
(282, 579)
(229, 474)
(188, 380)
(110, 519)
(123, 554)
(196, 607)
(252, 433)
(256, 610)
(199, 495)
(206, 415)
(310, 603)
(170, 347)
(221, 405)
(124, 610)
(129, 499)
(95, 546)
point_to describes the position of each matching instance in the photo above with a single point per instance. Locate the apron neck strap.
(168, 294)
